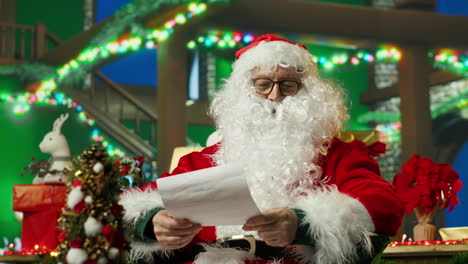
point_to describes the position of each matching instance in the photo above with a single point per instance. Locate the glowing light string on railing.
(23, 103)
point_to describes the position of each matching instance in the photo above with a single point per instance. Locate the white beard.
(277, 142)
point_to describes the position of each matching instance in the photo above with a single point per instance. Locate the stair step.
(128, 138)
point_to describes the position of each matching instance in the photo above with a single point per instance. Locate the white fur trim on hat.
(274, 53)
(338, 224)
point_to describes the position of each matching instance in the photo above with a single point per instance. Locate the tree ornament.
(113, 253)
(89, 199)
(97, 168)
(74, 197)
(76, 256)
(92, 226)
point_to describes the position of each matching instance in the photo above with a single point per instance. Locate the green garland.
(28, 71)
(379, 116)
(131, 15)
(128, 18)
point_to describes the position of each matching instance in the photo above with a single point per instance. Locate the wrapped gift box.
(41, 205)
(454, 233)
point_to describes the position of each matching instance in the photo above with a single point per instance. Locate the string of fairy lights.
(138, 38)
(127, 42)
(448, 59)
(226, 39)
(24, 103)
(223, 40)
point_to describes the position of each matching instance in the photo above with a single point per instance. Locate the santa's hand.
(277, 227)
(173, 233)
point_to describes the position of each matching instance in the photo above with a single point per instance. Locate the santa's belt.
(246, 243)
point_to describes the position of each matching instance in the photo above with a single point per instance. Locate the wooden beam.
(70, 49)
(428, 5)
(443, 77)
(416, 130)
(354, 21)
(416, 122)
(40, 44)
(373, 94)
(171, 96)
(9, 61)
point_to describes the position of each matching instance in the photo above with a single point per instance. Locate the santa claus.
(322, 200)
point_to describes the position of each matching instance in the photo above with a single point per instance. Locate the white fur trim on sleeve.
(145, 251)
(338, 223)
(137, 204)
(220, 255)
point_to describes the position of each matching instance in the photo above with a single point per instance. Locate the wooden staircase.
(110, 105)
(106, 101)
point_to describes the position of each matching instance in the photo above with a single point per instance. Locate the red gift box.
(41, 205)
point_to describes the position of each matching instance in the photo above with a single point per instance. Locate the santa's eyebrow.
(283, 78)
(261, 76)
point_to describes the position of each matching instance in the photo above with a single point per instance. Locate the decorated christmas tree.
(90, 225)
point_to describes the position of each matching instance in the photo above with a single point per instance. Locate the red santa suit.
(355, 204)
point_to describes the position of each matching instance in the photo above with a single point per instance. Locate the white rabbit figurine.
(55, 144)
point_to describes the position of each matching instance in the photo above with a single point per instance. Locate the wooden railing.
(122, 105)
(21, 42)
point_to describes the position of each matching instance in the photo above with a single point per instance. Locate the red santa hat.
(270, 50)
(266, 38)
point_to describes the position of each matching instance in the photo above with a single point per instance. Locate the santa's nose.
(275, 94)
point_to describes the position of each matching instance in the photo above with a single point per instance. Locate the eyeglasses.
(265, 86)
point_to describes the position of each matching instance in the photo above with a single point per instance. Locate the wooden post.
(171, 97)
(8, 11)
(40, 40)
(416, 122)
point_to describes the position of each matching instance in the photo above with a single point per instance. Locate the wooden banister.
(52, 37)
(128, 97)
(24, 42)
(10, 25)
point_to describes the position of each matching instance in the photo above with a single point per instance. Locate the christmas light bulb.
(191, 45)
